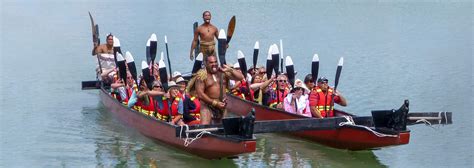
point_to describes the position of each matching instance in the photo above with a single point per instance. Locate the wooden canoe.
(209, 146)
(345, 137)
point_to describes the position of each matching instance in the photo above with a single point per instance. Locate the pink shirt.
(302, 103)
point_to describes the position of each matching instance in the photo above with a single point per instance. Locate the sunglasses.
(283, 81)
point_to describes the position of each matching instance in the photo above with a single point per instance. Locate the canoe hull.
(209, 146)
(345, 137)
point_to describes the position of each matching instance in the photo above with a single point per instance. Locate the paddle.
(242, 63)
(122, 68)
(315, 67)
(95, 40)
(153, 49)
(269, 68)
(95, 32)
(163, 74)
(230, 29)
(196, 50)
(281, 55)
(131, 65)
(255, 55)
(222, 46)
(116, 48)
(167, 54)
(275, 60)
(336, 82)
(290, 71)
(164, 82)
(146, 74)
(197, 63)
(147, 52)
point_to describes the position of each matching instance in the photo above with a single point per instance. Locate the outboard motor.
(392, 119)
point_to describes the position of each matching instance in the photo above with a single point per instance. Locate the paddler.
(105, 52)
(206, 33)
(107, 48)
(320, 99)
(208, 88)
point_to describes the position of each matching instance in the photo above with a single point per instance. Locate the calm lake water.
(393, 50)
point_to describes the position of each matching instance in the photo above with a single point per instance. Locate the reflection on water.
(119, 146)
(277, 150)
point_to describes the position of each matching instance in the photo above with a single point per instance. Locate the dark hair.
(110, 35)
(308, 78)
(206, 12)
(207, 58)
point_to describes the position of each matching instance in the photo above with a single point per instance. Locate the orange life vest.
(324, 102)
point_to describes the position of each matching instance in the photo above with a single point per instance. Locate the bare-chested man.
(206, 34)
(104, 48)
(105, 54)
(208, 88)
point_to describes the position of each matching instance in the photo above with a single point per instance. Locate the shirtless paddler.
(206, 33)
(207, 85)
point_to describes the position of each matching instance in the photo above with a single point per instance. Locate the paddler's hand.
(221, 105)
(191, 55)
(225, 68)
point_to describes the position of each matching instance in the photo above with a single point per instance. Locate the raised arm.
(193, 44)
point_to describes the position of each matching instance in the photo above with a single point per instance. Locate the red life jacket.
(273, 100)
(148, 109)
(196, 112)
(162, 112)
(324, 102)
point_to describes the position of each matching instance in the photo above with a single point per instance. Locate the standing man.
(206, 34)
(105, 54)
(107, 48)
(208, 88)
(320, 99)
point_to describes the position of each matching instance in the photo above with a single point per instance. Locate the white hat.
(300, 84)
(236, 65)
(171, 84)
(176, 74)
(181, 79)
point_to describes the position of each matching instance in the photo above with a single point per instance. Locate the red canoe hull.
(209, 146)
(345, 137)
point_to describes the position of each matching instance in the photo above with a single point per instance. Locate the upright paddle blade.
(196, 50)
(147, 52)
(131, 64)
(197, 63)
(290, 71)
(122, 68)
(153, 46)
(242, 63)
(269, 64)
(338, 72)
(230, 29)
(281, 55)
(275, 58)
(167, 54)
(116, 48)
(255, 54)
(146, 74)
(315, 67)
(163, 74)
(95, 33)
(222, 43)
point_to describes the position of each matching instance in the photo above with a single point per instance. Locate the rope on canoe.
(187, 140)
(428, 123)
(351, 122)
